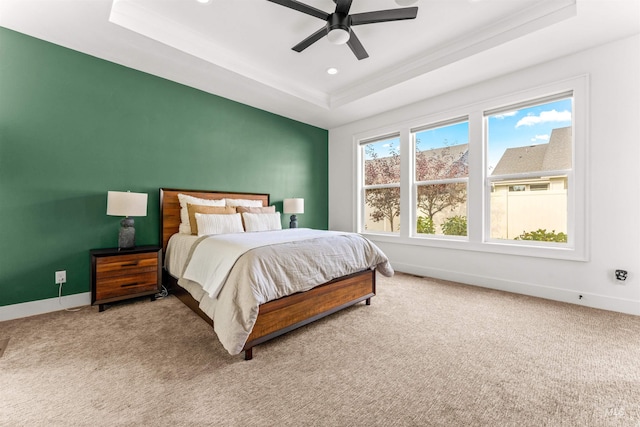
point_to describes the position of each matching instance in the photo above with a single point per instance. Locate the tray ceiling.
(241, 49)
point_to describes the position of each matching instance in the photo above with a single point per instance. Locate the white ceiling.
(241, 49)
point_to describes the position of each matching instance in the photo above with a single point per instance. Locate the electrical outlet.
(621, 275)
(61, 277)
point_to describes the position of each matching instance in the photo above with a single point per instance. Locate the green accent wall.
(73, 127)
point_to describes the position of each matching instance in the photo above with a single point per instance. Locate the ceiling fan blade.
(356, 47)
(301, 7)
(310, 40)
(384, 16)
(343, 6)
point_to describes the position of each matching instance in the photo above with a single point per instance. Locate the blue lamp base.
(293, 223)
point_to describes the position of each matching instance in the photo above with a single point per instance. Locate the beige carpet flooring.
(425, 353)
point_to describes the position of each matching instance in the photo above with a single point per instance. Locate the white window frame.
(415, 184)
(478, 187)
(363, 187)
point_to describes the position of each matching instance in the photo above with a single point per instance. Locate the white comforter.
(243, 270)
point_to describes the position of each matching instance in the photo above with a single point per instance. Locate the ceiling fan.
(338, 28)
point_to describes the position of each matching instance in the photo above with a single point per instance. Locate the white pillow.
(262, 221)
(185, 226)
(243, 202)
(218, 223)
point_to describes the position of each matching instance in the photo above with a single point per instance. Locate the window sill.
(497, 247)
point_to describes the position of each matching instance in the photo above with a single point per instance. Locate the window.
(528, 143)
(541, 187)
(381, 178)
(505, 175)
(441, 175)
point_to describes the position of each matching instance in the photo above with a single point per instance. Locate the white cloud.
(545, 117)
(503, 115)
(540, 138)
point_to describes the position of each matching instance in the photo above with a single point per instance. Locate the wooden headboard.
(170, 207)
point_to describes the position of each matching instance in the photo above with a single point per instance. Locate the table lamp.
(127, 204)
(293, 206)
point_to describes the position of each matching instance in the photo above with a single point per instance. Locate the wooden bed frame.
(274, 317)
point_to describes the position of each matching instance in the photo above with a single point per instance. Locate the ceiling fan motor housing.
(338, 28)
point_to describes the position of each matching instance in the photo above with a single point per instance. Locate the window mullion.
(475, 187)
(442, 181)
(533, 174)
(377, 186)
(407, 174)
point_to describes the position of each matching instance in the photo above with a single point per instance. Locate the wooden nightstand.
(122, 274)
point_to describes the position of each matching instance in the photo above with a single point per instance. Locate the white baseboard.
(557, 294)
(627, 306)
(32, 308)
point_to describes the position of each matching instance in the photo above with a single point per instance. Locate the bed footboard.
(286, 314)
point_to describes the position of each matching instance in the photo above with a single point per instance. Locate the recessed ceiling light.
(332, 70)
(405, 2)
(203, 1)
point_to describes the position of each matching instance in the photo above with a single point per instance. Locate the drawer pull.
(129, 284)
(131, 264)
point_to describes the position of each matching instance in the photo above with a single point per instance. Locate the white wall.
(613, 198)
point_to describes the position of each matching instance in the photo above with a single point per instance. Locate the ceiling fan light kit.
(338, 24)
(338, 36)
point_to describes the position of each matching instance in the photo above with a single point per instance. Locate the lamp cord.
(163, 293)
(60, 299)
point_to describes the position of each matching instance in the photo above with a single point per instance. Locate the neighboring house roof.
(558, 155)
(554, 155)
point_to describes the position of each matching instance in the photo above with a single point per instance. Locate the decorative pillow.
(193, 209)
(243, 209)
(185, 226)
(218, 224)
(243, 202)
(266, 209)
(262, 221)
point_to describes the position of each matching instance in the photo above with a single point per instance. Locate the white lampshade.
(120, 203)
(293, 206)
(338, 36)
(406, 2)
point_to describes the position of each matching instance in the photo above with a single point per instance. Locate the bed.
(273, 317)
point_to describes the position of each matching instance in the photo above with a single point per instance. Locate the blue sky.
(518, 128)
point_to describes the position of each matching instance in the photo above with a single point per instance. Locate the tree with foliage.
(440, 164)
(384, 202)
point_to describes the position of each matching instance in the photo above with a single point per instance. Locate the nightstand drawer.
(126, 284)
(110, 266)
